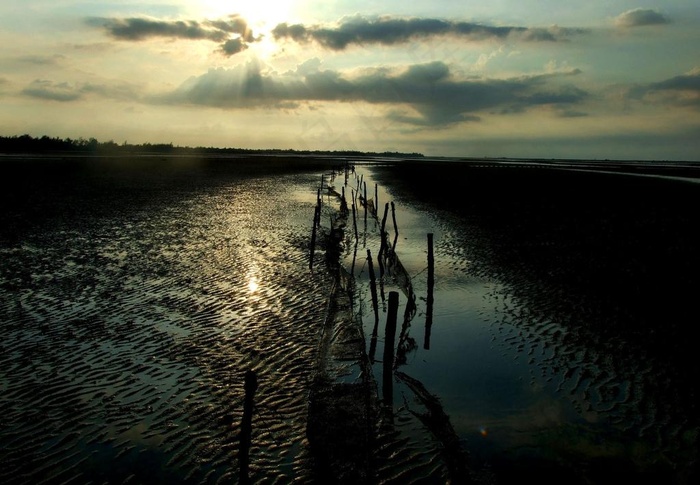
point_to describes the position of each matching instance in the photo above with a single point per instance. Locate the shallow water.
(527, 385)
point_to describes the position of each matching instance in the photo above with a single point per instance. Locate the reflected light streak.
(253, 284)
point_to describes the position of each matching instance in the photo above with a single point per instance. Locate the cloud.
(232, 33)
(639, 17)
(66, 92)
(359, 30)
(422, 94)
(40, 60)
(682, 90)
(233, 46)
(48, 90)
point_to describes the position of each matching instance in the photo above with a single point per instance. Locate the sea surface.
(135, 296)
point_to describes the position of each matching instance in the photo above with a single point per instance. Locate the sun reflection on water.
(253, 284)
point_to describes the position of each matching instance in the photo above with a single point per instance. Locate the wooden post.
(317, 216)
(318, 202)
(389, 336)
(376, 200)
(383, 230)
(375, 307)
(343, 202)
(373, 288)
(396, 228)
(354, 222)
(250, 385)
(429, 299)
(365, 204)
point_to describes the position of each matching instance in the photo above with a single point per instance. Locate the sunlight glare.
(260, 14)
(253, 284)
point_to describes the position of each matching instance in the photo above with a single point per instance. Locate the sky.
(599, 79)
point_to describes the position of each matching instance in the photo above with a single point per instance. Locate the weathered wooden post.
(382, 230)
(343, 202)
(373, 288)
(376, 200)
(389, 336)
(365, 204)
(354, 222)
(312, 249)
(250, 385)
(429, 299)
(396, 228)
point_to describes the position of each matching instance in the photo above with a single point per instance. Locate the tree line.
(45, 144)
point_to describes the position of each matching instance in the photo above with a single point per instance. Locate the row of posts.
(251, 383)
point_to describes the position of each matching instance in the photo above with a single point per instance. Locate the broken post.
(429, 299)
(250, 385)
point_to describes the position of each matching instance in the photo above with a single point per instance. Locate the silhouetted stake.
(317, 216)
(365, 205)
(343, 202)
(375, 306)
(389, 336)
(250, 385)
(396, 228)
(354, 222)
(373, 289)
(354, 259)
(382, 233)
(376, 200)
(429, 299)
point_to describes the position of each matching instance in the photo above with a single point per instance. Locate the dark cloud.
(640, 17)
(683, 90)
(424, 94)
(685, 82)
(233, 33)
(360, 30)
(233, 46)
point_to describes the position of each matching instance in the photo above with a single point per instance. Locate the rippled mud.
(132, 305)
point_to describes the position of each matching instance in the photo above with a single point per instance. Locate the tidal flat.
(136, 293)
